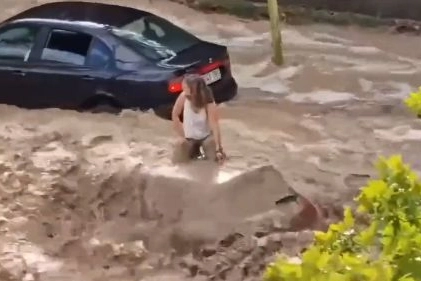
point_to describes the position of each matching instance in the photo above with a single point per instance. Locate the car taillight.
(175, 86)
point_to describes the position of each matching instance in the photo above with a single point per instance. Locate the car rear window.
(155, 37)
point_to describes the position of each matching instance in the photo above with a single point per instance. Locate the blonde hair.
(200, 93)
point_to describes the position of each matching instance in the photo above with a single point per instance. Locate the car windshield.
(155, 38)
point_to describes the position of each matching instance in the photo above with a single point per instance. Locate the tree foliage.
(413, 102)
(388, 248)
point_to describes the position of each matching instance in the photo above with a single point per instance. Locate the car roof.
(81, 13)
(62, 23)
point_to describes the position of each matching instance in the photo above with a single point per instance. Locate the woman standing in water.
(200, 126)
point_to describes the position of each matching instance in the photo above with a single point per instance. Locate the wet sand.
(95, 196)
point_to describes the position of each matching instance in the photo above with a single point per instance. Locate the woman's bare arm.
(175, 116)
(213, 117)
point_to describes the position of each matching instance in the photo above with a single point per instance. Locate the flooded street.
(95, 196)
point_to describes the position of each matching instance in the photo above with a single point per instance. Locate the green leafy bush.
(388, 248)
(413, 102)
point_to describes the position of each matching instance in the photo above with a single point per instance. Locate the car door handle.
(87, 77)
(19, 72)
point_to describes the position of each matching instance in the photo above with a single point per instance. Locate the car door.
(16, 44)
(70, 69)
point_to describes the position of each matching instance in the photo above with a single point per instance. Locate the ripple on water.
(321, 97)
(197, 172)
(399, 134)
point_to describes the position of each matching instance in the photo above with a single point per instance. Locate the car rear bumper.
(225, 91)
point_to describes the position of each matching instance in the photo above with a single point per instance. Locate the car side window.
(67, 47)
(99, 55)
(16, 43)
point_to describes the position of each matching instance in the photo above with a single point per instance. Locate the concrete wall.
(406, 9)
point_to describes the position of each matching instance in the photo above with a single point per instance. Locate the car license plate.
(212, 77)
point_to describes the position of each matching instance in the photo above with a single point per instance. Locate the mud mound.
(61, 213)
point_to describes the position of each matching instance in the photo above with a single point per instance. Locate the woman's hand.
(220, 156)
(213, 119)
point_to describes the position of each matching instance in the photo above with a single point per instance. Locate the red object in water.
(311, 215)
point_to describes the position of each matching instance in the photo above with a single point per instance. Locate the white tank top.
(195, 124)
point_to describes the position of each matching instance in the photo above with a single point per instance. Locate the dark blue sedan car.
(92, 56)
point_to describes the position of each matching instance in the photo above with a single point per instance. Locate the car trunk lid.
(207, 59)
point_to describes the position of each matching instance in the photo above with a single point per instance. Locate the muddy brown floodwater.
(95, 197)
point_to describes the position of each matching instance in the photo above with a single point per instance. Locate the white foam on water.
(360, 64)
(380, 67)
(366, 85)
(237, 41)
(294, 37)
(237, 29)
(290, 71)
(376, 67)
(405, 72)
(276, 82)
(333, 39)
(217, 175)
(399, 134)
(395, 90)
(290, 37)
(329, 147)
(365, 50)
(271, 84)
(169, 171)
(321, 97)
(413, 61)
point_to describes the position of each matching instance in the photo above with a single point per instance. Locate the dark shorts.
(190, 149)
(195, 146)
